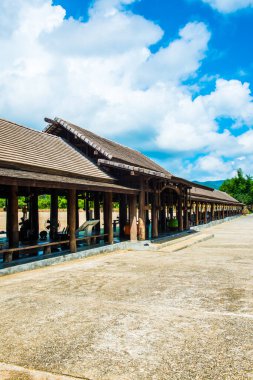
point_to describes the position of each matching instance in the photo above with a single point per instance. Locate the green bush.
(240, 187)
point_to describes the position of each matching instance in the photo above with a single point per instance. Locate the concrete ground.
(135, 315)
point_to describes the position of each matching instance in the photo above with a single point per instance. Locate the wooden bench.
(8, 252)
(91, 238)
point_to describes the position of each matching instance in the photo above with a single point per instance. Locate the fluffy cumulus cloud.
(227, 6)
(103, 75)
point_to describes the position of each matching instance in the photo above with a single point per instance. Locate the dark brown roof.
(21, 147)
(21, 177)
(109, 149)
(214, 195)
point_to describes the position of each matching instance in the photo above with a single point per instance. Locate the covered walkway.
(71, 162)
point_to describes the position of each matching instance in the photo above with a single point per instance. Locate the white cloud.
(103, 75)
(181, 59)
(227, 6)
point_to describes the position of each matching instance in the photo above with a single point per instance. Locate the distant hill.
(214, 184)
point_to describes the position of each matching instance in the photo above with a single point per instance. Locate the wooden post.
(155, 216)
(205, 214)
(97, 211)
(12, 211)
(190, 214)
(142, 216)
(34, 215)
(180, 214)
(212, 212)
(72, 219)
(163, 217)
(54, 215)
(108, 217)
(133, 218)
(122, 214)
(186, 217)
(87, 207)
(77, 212)
(197, 213)
(218, 208)
(223, 212)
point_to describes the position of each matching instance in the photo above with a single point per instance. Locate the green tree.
(240, 187)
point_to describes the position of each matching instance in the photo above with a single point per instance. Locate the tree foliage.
(240, 187)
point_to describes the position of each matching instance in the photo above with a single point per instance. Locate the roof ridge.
(91, 136)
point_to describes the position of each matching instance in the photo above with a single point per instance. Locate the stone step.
(185, 243)
(171, 240)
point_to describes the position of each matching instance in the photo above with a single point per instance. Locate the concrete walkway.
(135, 315)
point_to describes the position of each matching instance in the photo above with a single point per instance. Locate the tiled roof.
(21, 147)
(211, 194)
(109, 149)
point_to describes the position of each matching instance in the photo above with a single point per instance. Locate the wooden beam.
(72, 219)
(63, 185)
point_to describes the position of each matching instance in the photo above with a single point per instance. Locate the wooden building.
(68, 160)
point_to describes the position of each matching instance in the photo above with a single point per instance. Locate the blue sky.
(230, 49)
(173, 80)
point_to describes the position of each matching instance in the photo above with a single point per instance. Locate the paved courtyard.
(135, 315)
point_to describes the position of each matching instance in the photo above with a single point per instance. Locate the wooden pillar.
(12, 211)
(171, 209)
(53, 215)
(155, 215)
(133, 217)
(77, 212)
(186, 217)
(108, 217)
(180, 214)
(163, 217)
(97, 211)
(218, 208)
(205, 214)
(212, 212)
(223, 212)
(142, 216)
(191, 213)
(197, 213)
(72, 219)
(34, 215)
(87, 207)
(122, 214)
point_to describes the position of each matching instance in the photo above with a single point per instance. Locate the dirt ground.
(44, 215)
(136, 315)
